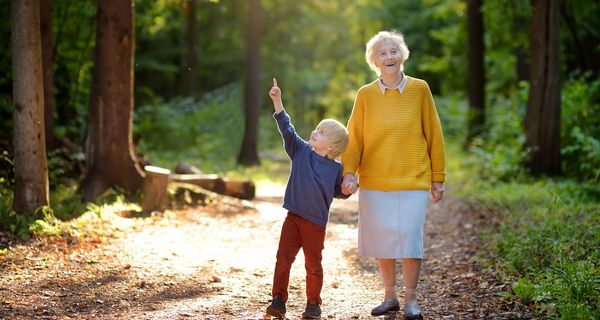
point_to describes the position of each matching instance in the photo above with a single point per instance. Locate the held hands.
(349, 184)
(275, 94)
(437, 191)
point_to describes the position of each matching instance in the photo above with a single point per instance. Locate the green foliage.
(500, 152)
(207, 130)
(74, 24)
(452, 110)
(581, 129)
(506, 25)
(547, 238)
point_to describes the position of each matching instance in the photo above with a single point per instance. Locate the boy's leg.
(289, 245)
(313, 239)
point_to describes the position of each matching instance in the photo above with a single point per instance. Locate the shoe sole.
(395, 309)
(419, 317)
(275, 313)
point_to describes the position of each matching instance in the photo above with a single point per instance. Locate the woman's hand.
(349, 184)
(437, 191)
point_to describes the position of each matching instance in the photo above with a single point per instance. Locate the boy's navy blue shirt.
(314, 180)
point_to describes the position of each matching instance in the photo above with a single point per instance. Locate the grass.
(546, 240)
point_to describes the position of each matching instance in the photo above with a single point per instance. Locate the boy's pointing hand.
(275, 92)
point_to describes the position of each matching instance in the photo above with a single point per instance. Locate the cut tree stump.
(154, 191)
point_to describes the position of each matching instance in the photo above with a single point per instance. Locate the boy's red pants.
(299, 233)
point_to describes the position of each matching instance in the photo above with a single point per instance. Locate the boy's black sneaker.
(276, 308)
(312, 311)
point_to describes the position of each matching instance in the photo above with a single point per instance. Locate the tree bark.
(184, 167)
(47, 64)
(249, 149)
(110, 157)
(190, 72)
(155, 194)
(29, 145)
(210, 182)
(542, 119)
(240, 189)
(233, 188)
(476, 78)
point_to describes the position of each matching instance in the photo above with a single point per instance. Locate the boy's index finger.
(274, 82)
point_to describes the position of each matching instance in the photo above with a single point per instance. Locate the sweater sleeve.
(432, 129)
(291, 141)
(352, 156)
(338, 188)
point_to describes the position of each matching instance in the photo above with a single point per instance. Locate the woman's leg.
(410, 271)
(387, 267)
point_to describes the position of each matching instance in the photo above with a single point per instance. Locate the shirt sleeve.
(432, 129)
(338, 188)
(291, 140)
(351, 157)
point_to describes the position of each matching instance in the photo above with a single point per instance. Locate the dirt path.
(204, 264)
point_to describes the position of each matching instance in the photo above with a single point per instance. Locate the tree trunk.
(249, 149)
(47, 65)
(476, 78)
(31, 168)
(110, 157)
(542, 120)
(190, 72)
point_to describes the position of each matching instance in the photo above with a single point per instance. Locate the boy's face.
(319, 140)
(388, 58)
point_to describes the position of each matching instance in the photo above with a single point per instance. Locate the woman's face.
(388, 58)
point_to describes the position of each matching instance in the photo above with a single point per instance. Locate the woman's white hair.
(377, 40)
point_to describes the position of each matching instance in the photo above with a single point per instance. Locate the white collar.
(400, 86)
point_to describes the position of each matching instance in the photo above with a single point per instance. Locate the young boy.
(314, 180)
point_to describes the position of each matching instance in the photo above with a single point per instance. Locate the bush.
(500, 152)
(581, 129)
(209, 130)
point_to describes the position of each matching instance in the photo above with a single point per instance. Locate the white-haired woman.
(397, 152)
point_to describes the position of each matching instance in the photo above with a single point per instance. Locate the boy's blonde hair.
(376, 40)
(337, 134)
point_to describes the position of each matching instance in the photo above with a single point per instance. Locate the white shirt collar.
(400, 86)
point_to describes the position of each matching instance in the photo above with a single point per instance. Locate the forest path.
(203, 263)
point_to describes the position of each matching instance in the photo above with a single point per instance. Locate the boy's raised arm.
(275, 95)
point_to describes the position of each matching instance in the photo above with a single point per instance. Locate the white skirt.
(390, 223)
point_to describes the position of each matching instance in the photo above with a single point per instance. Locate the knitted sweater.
(396, 139)
(314, 179)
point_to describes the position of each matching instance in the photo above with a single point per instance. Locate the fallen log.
(189, 194)
(154, 190)
(184, 167)
(210, 182)
(194, 195)
(234, 188)
(240, 189)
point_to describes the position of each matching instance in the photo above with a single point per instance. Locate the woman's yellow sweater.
(396, 139)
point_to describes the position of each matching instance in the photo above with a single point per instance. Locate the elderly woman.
(397, 152)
